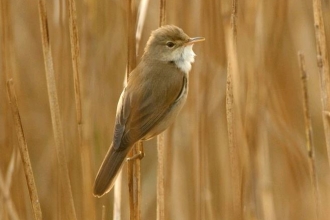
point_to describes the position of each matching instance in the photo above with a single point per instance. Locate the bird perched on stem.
(155, 93)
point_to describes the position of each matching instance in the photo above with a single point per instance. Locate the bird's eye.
(170, 44)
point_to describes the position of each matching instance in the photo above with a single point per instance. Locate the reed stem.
(24, 151)
(133, 165)
(323, 65)
(309, 133)
(85, 157)
(233, 151)
(66, 191)
(161, 143)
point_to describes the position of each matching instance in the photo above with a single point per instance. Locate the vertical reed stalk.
(5, 40)
(88, 206)
(162, 14)
(265, 175)
(234, 168)
(233, 151)
(131, 25)
(66, 191)
(323, 65)
(24, 151)
(134, 181)
(309, 133)
(160, 178)
(117, 207)
(143, 8)
(161, 144)
(75, 56)
(103, 212)
(5, 185)
(134, 165)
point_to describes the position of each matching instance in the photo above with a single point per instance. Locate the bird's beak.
(194, 40)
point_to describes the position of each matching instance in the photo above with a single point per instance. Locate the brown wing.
(146, 99)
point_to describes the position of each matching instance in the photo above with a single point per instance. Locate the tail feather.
(111, 165)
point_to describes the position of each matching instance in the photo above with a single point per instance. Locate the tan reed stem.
(160, 178)
(309, 133)
(134, 165)
(162, 14)
(75, 56)
(323, 65)
(161, 144)
(24, 151)
(235, 174)
(85, 159)
(5, 184)
(66, 191)
(5, 40)
(103, 212)
(233, 151)
(117, 197)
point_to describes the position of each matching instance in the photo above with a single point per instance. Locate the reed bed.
(252, 164)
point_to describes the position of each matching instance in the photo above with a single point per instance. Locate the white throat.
(185, 58)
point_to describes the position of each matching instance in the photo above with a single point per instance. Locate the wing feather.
(145, 101)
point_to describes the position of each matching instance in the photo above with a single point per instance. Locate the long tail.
(111, 165)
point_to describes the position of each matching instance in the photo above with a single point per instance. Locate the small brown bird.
(155, 93)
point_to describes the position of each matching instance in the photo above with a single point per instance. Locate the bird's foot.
(139, 156)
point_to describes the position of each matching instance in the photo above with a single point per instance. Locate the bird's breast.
(171, 113)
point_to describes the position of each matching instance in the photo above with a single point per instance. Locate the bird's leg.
(139, 154)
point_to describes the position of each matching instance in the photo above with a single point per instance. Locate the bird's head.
(170, 44)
